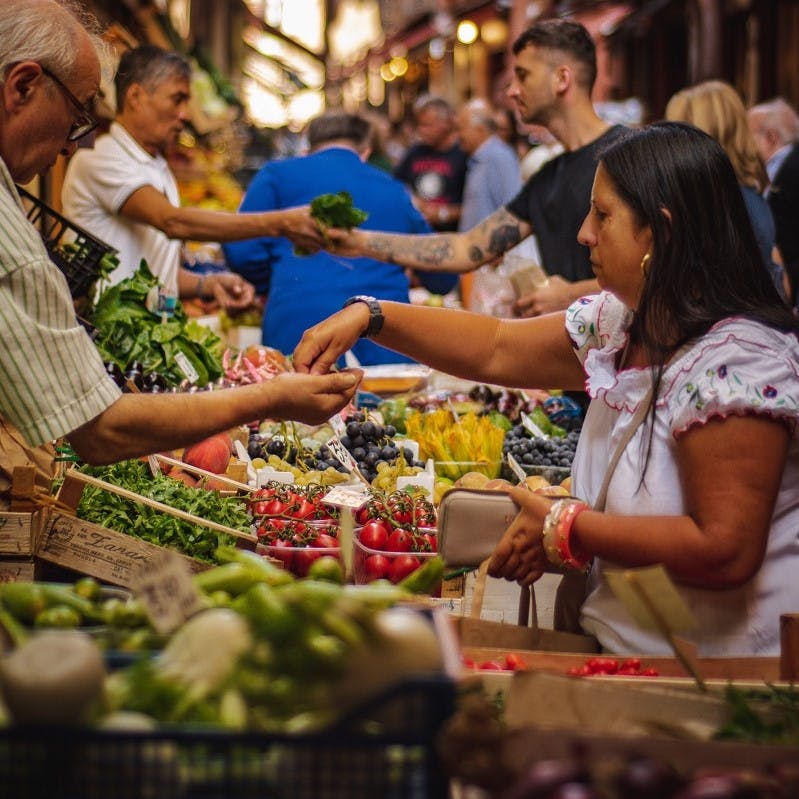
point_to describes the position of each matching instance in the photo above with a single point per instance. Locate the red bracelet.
(563, 532)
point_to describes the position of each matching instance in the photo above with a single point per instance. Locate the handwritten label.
(337, 423)
(342, 454)
(532, 427)
(347, 496)
(186, 367)
(166, 590)
(517, 469)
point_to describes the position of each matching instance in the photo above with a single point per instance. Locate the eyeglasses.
(85, 123)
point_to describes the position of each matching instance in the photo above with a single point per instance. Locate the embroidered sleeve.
(738, 373)
(594, 321)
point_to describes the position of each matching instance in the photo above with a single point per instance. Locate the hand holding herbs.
(334, 210)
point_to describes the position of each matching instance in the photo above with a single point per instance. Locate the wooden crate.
(13, 570)
(19, 532)
(96, 551)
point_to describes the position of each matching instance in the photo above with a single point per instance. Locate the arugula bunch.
(335, 210)
(129, 332)
(117, 513)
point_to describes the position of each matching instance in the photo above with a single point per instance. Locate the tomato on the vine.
(302, 509)
(376, 567)
(401, 567)
(399, 541)
(374, 534)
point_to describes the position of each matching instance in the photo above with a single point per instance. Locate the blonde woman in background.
(717, 109)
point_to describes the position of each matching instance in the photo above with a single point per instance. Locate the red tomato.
(650, 672)
(468, 662)
(263, 493)
(303, 558)
(274, 507)
(325, 541)
(630, 663)
(514, 662)
(490, 665)
(427, 542)
(399, 541)
(600, 665)
(376, 567)
(374, 534)
(424, 514)
(579, 671)
(284, 552)
(401, 567)
(302, 509)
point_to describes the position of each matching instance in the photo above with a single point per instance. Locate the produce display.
(132, 339)
(468, 443)
(117, 513)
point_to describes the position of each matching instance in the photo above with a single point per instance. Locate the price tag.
(338, 425)
(517, 469)
(532, 427)
(160, 303)
(342, 454)
(186, 366)
(166, 590)
(347, 496)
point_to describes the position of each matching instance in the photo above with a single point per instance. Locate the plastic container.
(82, 268)
(377, 564)
(384, 748)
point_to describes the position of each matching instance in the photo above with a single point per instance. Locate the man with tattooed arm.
(553, 75)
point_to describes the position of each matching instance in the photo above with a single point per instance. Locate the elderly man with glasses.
(52, 379)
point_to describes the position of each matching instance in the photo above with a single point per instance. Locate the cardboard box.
(90, 549)
(19, 532)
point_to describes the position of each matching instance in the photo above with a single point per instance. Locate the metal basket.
(81, 265)
(385, 750)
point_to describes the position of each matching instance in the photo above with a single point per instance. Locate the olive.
(112, 369)
(134, 366)
(647, 778)
(545, 776)
(153, 380)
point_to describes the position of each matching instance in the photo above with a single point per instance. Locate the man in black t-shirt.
(435, 168)
(554, 73)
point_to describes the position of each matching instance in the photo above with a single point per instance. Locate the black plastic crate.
(385, 750)
(81, 266)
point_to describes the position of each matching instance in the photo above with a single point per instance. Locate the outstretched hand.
(301, 228)
(312, 399)
(556, 295)
(322, 345)
(520, 554)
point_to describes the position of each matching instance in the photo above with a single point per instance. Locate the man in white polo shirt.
(123, 190)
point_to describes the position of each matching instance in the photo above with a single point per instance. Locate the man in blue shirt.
(303, 290)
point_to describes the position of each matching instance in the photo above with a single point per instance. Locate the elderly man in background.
(775, 126)
(124, 192)
(54, 381)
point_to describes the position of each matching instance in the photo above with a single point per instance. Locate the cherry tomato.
(426, 542)
(303, 509)
(374, 534)
(325, 541)
(274, 507)
(514, 662)
(630, 663)
(284, 552)
(303, 558)
(468, 663)
(650, 672)
(600, 665)
(376, 567)
(490, 665)
(425, 514)
(401, 567)
(399, 541)
(579, 671)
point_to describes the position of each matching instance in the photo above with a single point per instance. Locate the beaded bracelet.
(557, 534)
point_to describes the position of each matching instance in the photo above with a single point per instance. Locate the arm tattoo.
(476, 255)
(503, 238)
(412, 251)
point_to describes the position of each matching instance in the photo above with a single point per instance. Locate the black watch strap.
(376, 318)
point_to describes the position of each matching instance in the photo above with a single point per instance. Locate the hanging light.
(467, 31)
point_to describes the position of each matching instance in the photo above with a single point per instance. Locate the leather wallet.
(470, 524)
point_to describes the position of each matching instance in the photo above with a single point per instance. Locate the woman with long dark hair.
(689, 454)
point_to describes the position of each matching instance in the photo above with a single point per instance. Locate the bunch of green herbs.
(335, 210)
(126, 516)
(765, 716)
(128, 332)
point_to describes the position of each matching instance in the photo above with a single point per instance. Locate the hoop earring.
(645, 263)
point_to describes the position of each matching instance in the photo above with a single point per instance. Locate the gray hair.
(780, 117)
(148, 66)
(481, 114)
(47, 32)
(438, 104)
(338, 125)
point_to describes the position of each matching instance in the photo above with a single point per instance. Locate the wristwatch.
(376, 317)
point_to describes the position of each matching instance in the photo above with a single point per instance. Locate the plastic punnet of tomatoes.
(297, 544)
(383, 553)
